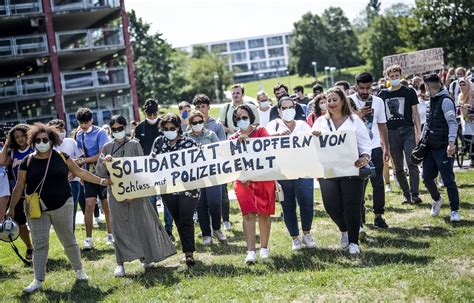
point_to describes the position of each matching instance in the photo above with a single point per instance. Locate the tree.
(447, 24)
(154, 65)
(372, 10)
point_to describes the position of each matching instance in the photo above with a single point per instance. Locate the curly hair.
(150, 107)
(56, 123)
(11, 135)
(39, 128)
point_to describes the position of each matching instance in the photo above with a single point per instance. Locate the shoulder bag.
(34, 204)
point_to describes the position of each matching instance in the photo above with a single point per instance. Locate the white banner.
(418, 62)
(260, 159)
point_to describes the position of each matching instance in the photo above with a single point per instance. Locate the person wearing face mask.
(440, 133)
(209, 208)
(256, 199)
(404, 131)
(466, 104)
(320, 108)
(136, 228)
(15, 150)
(280, 90)
(69, 147)
(46, 173)
(184, 109)
(301, 190)
(454, 89)
(181, 205)
(264, 106)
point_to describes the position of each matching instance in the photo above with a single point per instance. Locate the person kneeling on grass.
(46, 173)
(136, 228)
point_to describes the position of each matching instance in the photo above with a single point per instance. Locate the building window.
(238, 45)
(276, 52)
(259, 65)
(255, 43)
(278, 63)
(288, 39)
(277, 40)
(238, 57)
(219, 48)
(257, 54)
(240, 68)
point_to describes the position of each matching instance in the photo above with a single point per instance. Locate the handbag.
(279, 195)
(34, 204)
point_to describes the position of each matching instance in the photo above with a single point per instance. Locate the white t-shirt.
(352, 123)
(277, 126)
(455, 90)
(378, 107)
(69, 147)
(422, 110)
(264, 116)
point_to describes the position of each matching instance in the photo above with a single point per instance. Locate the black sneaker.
(416, 199)
(170, 234)
(379, 222)
(29, 254)
(406, 200)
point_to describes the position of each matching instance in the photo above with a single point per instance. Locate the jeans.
(76, 191)
(342, 199)
(225, 204)
(436, 160)
(402, 141)
(301, 191)
(378, 189)
(209, 209)
(182, 210)
(166, 215)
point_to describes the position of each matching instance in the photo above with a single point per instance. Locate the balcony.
(71, 5)
(20, 8)
(23, 46)
(26, 86)
(90, 39)
(94, 79)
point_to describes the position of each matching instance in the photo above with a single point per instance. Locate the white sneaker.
(96, 222)
(34, 286)
(109, 239)
(227, 225)
(388, 188)
(362, 234)
(296, 244)
(220, 236)
(200, 234)
(88, 245)
(251, 257)
(436, 207)
(206, 241)
(146, 265)
(264, 253)
(81, 275)
(454, 216)
(344, 240)
(354, 249)
(119, 271)
(308, 241)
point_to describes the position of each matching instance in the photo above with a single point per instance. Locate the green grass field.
(418, 258)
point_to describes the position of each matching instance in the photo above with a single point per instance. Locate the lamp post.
(216, 78)
(326, 72)
(289, 79)
(315, 67)
(332, 69)
(260, 77)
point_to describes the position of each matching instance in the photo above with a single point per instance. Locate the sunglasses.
(245, 118)
(171, 129)
(197, 122)
(289, 107)
(118, 129)
(39, 140)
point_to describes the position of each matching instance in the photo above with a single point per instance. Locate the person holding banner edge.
(181, 205)
(136, 228)
(300, 190)
(342, 197)
(256, 199)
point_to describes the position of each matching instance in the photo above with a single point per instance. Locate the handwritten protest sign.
(418, 62)
(259, 159)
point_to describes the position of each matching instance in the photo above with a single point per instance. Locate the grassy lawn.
(418, 258)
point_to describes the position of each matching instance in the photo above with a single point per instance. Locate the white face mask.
(264, 104)
(243, 124)
(119, 135)
(42, 147)
(170, 134)
(323, 106)
(152, 121)
(198, 127)
(288, 114)
(62, 135)
(89, 129)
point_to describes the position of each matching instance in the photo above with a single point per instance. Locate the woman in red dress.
(256, 199)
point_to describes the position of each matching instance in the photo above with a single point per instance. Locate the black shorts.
(20, 216)
(92, 190)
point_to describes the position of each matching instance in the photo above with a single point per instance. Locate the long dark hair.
(11, 135)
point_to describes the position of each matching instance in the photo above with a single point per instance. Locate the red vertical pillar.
(58, 98)
(129, 55)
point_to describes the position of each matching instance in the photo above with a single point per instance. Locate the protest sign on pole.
(258, 159)
(418, 62)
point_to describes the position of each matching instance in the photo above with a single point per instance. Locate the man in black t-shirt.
(403, 123)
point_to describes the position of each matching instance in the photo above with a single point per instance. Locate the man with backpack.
(228, 109)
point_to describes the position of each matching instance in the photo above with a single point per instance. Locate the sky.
(187, 22)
